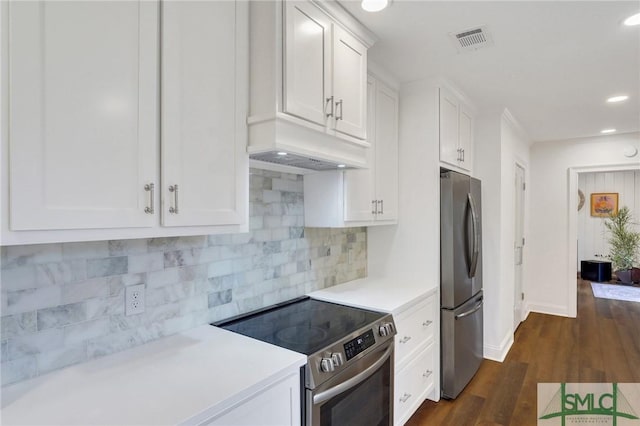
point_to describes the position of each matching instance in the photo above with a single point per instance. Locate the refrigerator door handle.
(476, 238)
(469, 312)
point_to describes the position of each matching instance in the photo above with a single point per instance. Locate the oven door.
(360, 395)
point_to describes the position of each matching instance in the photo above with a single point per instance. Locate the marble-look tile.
(19, 324)
(59, 358)
(222, 283)
(147, 262)
(127, 247)
(32, 299)
(270, 197)
(4, 352)
(30, 344)
(256, 222)
(78, 333)
(60, 316)
(188, 257)
(192, 304)
(117, 283)
(19, 278)
(221, 240)
(104, 307)
(31, 255)
(78, 292)
(107, 266)
(287, 185)
(18, 369)
(169, 294)
(61, 272)
(219, 298)
(217, 269)
(85, 250)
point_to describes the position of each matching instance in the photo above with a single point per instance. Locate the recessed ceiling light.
(341, 166)
(605, 131)
(282, 153)
(374, 5)
(633, 20)
(618, 98)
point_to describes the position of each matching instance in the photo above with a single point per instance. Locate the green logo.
(564, 404)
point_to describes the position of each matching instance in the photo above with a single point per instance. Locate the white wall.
(553, 218)
(592, 236)
(499, 145)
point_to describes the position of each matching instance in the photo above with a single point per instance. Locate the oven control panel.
(359, 344)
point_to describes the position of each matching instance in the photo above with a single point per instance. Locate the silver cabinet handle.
(462, 150)
(459, 154)
(427, 323)
(427, 373)
(174, 208)
(405, 397)
(339, 117)
(381, 206)
(330, 102)
(374, 205)
(405, 339)
(150, 188)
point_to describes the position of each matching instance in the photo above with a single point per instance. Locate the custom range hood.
(308, 86)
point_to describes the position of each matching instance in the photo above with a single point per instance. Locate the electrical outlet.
(134, 299)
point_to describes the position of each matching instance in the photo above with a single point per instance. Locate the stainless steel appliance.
(348, 379)
(460, 280)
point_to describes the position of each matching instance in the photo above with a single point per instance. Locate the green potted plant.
(625, 245)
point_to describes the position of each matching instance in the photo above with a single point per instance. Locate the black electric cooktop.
(302, 325)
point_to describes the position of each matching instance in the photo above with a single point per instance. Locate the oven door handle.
(354, 381)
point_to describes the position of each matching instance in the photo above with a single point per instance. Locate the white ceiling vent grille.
(472, 39)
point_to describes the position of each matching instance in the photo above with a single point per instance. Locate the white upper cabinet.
(307, 56)
(362, 197)
(81, 151)
(308, 82)
(456, 131)
(83, 102)
(203, 141)
(349, 84)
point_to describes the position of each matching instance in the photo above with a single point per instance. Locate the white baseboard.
(499, 353)
(542, 308)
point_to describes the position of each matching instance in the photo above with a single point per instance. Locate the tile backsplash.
(63, 304)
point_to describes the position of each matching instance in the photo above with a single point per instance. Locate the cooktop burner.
(305, 326)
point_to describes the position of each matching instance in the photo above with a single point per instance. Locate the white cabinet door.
(307, 56)
(278, 405)
(465, 140)
(386, 148)
(203, 156)
(83, 114)
(349, 83)
(359, 185)
(449, 133)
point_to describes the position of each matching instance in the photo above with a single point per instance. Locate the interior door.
(204, 163)
(83, 114)
(520, 187)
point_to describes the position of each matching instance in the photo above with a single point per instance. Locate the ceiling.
(553, 64)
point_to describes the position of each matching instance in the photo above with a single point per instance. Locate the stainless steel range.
(348, 379)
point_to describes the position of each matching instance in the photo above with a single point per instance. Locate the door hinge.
(521, 296)
(524, 186)
(523, 241)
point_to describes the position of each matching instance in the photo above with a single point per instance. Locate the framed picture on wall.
(604, 204)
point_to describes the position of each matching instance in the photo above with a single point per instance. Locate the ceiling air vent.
(472, 39)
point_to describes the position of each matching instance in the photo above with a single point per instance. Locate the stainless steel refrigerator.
(460, 280)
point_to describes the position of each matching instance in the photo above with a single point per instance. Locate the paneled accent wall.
(63, 304)
(592, 234)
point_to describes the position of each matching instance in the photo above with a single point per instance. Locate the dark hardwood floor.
(601, 345)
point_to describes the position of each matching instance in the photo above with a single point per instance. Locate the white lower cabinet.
(412, 383)
(416, 366)
(277, 405)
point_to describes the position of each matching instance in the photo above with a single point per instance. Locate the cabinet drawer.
(415, 326)
(412, 384)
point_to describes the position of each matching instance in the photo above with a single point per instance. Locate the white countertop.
(190, 375)
(381, 294)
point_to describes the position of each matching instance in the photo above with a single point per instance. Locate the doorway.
(519, 242)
